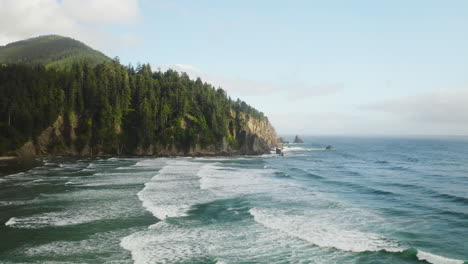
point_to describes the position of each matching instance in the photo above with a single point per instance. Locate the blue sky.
(313, 67)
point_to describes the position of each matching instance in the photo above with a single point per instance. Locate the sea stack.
(297, 139)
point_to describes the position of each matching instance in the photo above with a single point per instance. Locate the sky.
(313, 67)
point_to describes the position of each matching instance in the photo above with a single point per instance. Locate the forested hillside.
(88, 109)
(51, 50)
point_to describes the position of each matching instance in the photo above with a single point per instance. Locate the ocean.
(368, 200)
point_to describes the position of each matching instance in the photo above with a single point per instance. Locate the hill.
(109, 109)
(50, 50)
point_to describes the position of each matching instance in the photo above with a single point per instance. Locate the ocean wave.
(322, 234)
(362, 188)
(434, 193)
(297, 148)
(173, 190)
(436, 259)
(327, 235)
(452, 198)
(307, 174)
(156, 162)
(229, 182)
(56, 219)
(417, 254)
(240, 242)
(77, 207)
(14, 203)
(381, 162)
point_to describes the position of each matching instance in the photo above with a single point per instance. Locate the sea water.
(368, 200)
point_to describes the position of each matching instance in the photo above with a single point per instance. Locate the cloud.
(102, 11)
(442, 112)
(82, 20)
(443, 106)
(246, 87)
(236, 85)
(325, 123)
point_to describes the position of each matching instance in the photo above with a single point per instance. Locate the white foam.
(153, 163)
(240, 242)
(146, 247)
(83, 206)
(14, 203)
(435, 259)
(297, 148)
(51, 219)
(172, 191)
(322, 233)
(104, 245)
(11, 222)
(214, 159)
(182, 183)
(230, 182)
(328, 224)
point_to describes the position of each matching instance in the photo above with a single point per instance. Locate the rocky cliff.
(251, 137)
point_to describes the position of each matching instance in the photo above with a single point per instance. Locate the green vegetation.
(51, 51)
(116, 109)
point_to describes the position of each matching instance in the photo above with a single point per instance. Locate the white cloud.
(82, 20)
(102, 11)
(439, 112)
(239, 86)
(443, 106)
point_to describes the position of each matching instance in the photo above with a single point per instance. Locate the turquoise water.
(369, 200)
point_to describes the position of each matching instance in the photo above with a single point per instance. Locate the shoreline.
(194, 155)
(8, 158)
(15, 164)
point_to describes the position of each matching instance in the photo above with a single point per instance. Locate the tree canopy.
(116, 107)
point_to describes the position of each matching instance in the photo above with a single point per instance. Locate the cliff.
(256, 136)
(101, 107)
(251, 137)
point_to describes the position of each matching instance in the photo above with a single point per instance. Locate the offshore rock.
(297, 139)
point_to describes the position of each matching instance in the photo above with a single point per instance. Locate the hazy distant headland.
(61, 97)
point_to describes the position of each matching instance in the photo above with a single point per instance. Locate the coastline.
(7, 158)
(15, 164)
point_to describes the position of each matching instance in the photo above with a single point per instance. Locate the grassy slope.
(51, 50)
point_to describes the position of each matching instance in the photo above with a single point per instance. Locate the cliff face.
(252, 137)
(256, 136)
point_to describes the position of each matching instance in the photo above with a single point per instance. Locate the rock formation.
(253, 137)
(297, 139)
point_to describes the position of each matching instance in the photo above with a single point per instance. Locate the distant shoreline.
(4, 158)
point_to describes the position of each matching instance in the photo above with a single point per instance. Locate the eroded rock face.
(297, 139)
(27, 150)
(253, 137)
(264, 130)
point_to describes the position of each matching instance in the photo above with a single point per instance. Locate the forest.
(118, 108)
